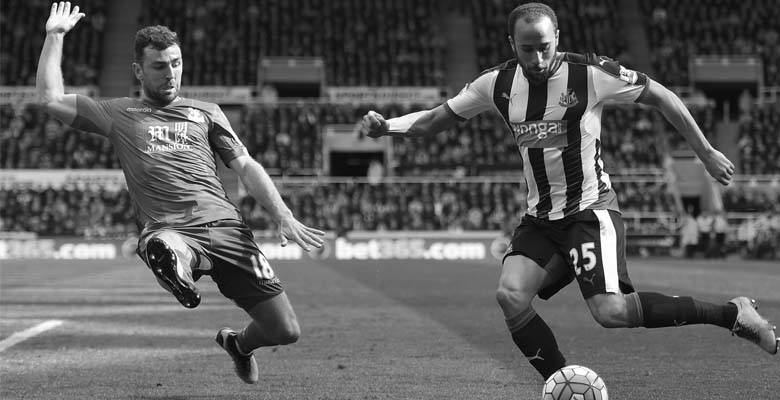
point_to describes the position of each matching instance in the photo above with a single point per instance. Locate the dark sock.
(535, 339)
(724, 315)
(658, 310)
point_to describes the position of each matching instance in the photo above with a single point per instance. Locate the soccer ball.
(574, 382)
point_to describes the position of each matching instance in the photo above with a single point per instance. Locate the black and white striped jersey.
(557, 126)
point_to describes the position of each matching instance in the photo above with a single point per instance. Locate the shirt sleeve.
(613, 82)
(222, 138)
(93, 116)
(475, 98)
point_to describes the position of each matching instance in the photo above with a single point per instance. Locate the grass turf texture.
(370, 330)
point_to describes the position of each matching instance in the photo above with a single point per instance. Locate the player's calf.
(171, 273)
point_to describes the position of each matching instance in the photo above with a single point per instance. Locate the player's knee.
(288, 334)
(611, 312)
(513, 298)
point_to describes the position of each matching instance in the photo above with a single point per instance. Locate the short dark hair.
(158, 36)
(530, 12)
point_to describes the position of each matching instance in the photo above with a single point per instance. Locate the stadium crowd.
(69, 211)
(19, 49)
(287, 139)
(30, 138)
(339, 207)
(677, 30)
(759, 140)
(336, 30)
(585, 26)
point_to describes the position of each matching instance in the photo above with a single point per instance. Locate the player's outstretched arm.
(416, 124)
(262, 188)
(658, 96)
(48, 81)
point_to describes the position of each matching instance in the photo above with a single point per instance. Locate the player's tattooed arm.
(49, 83)
(416, 124)
(262, 188)
(658, 96)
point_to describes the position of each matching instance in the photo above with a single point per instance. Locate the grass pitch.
(370, 330)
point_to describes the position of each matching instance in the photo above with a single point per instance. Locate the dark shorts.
(593, 243)
(226, 251)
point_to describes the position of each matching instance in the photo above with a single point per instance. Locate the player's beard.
(159, 95)
(534, 75)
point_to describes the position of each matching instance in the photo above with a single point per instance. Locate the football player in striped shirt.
(552, 101)
(168, 148)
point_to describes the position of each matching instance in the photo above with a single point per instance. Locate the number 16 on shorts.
(584, 257)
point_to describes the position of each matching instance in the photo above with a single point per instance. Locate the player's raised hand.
(374, 124)
(62, 18)
(291, 229)
(719, 167)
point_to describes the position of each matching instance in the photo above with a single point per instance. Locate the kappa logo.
(195, 115)
(568, 99)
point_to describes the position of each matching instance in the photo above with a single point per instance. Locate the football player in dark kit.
(168, 148)
(552, 103)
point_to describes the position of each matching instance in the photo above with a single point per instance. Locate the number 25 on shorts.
(586, 256)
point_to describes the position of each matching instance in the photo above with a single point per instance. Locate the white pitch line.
(28, 333)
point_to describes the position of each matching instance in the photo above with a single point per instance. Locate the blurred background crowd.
(401, 43)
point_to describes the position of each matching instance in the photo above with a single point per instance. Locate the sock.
(655, 310)
(535, 339)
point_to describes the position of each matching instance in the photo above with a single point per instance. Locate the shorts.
(593, 243)
(226, 251)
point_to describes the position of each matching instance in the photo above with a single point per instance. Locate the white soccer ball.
(574, 382)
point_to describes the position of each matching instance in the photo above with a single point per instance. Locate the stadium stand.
(754, 209)
(594, 24)
(340, 206)
(30, 138)
(223, 41)
(287, 138)
(20, 46)
(759, 140)
(79, 211)
(749, 198)
(677, 30)
(222, 44)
